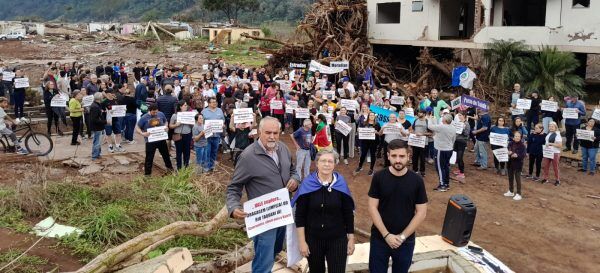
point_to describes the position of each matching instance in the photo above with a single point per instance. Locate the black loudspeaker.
(459, 220)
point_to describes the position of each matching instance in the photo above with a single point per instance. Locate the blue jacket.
(581, 109)
(535, 143)
(311, 184)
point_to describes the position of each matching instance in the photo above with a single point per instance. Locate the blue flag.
(463, 76)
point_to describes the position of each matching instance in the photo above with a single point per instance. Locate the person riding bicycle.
(6, 123)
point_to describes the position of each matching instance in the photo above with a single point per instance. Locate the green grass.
(10, 214)
(25, 264)
(240, 53)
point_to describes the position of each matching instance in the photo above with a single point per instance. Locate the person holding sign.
(554, 143)
(419, 154)
(533, 115)
(549, 116)
(263, 167)
(341, 139)
(213, 113)
(500, 129)
(589, 148)
(482, 136)
(325, 216)
(444, 136)
(460, 145)
(302, 139)
(200, 144)
(153, 118)
(278, 112)
(243, 135)
(182, 136)
(402, 133)
(75, 113)
(535, 151)
(97, 123)
(19, 95)
(49, 92)
(516, 155)
(368, 146)
(571, 125)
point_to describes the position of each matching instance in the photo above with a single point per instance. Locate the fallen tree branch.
(197, 252)
(225, 263)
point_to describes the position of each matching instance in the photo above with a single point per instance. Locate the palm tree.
(551, 73)
(505, 61)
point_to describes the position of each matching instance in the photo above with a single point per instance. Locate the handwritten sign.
(550, 106)
(8, 76)
(328, 94)
(366, 133)
(342, 127)
(524, 104)
(409, 112)
(246, 97)
(501, 154)
(59, 100)
(87, 100)
(186, 117)
(517, 112)
(417, 141)
(208, 132)
(216, 125)
(157, 133)
(455, 103)
(340, 64)
(596, 114)
(548, 151)
(459, 126)
(391, 129)
(118, 111)
(290, 106)
(243, 115)
(276, 104)
(350, 105)
(302, 113)
(267, 212)
(499, 139)
(570, 113)
(397, 100)
(255, 85)
(585, 135)
(21, 82)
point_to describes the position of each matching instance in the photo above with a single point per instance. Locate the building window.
(581, 3)
(417, 6)
(388, 13)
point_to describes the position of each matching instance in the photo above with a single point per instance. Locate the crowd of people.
(327, 116)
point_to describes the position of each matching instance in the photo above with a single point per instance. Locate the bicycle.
(39, 144)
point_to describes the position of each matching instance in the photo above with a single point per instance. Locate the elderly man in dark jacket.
(97, 123)
(263, 167)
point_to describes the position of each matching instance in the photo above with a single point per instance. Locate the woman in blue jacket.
(500, 128)
(535, 147)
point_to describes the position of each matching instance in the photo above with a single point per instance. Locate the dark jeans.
(533, 117)
(571, 135)
(380, 253)
(497, 164)
(459, 148)
(368, 146)
(76, 128)
(418, 158)
(333, 250)
(51, 116)
(537, 160)
(342, 141)
(442, 164)
(19, 98)
(151, 150)
(514, 173)
(129, 122)
(182, 149)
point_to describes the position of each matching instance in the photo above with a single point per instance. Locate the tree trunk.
(225, 263)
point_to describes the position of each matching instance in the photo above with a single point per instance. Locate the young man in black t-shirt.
(397, 205)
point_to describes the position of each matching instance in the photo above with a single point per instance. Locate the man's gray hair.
(447, 118)
(267, 119)
(98, 96)
(307, 121)
(336, 156)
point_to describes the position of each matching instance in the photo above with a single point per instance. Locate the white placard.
(59, 100)
(548, 151)
(21, 82)
(524, 104)
(343, 127)
(157, 133)
(276, 104)
(267, 212)
(517, 112)
(255, 85)
(417, 141)
(87, 100)
(204, 67)
(459, 126)
(366, 133)
(216, 125)
(350, 105)
(455, 103)
(501, 154)
(392, 129)
(328, 94)
(585, 135)
(397, 100)
(499, 139)
(243, 115)
(452, 160)
(253, 132)
(246, 97)
(302, 113)
(118, 111)
(208, 132)
(187, 117)
(570, 113)
(550, 106)
(290, 105)
(596, 114)
(8, 76)
(409, 112)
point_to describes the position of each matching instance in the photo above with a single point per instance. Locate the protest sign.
(343, 127)
(417, 141)
(499, 139)
(453, 158)
(290, 106)
(204, 67)
(366, 133)
(548, 151)
(267, 212)
(550, 106)
(585, 135)
(157, 133)
(255, 85)
(316, 66)
(455, 103)
(397, 100)
(8, 76)
(501, 154)
(524, 104)
(340, 64)
(596, 114)
(391, 129)
(302, 113)
(409, 112)
(517, 112)
(276, 104)
(383, 115)
(246, 97)
(87, 100)
(459, 126)
(21, 82)
(328, 94)
(208, 132)
(243, 115)
(570, 113)
(474, 102)
(216, 125)
(298, 65)
(187, 117)
(351, 105)
(118, 111)
(59, 100)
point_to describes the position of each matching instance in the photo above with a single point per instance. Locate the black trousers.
(571, 135)
(342, 141)
(334, 251)
(88, 129)
(418, 158)
(497, 164)
(537, 161)
(76, 128)
(151, 150)
(51, 117)
(459, 148)
(368, 146)
(514, 175)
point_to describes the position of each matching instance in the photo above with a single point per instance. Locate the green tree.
(551, 73)
(505, 61)
(231, 8)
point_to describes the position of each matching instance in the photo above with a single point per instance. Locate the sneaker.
(84, 137)
(529, 176)
(371, 172)
(517, 197)
(536, 179)
(509, 194)
(503, 172)
(430, 161)
(460, 176)
(591, 173)
(566, 149)
(574, 152)
(422, 174)
(120, 149)
(544, 181)
(557, 183)
(497, 171)
(346, 161)
(131, 142)
(456, 172)
(472, 150)
(476, 164)
(357, 170)
(22, 151)
(444, 189)
(124, 141)
(75, 143)
(111, 149)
